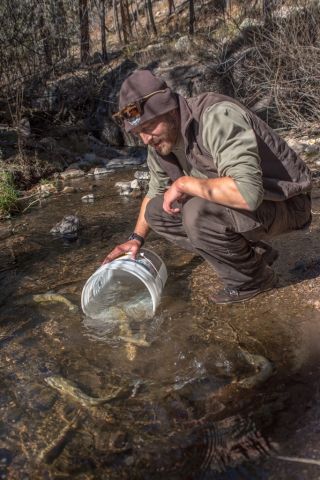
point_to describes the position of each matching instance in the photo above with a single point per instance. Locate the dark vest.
(284, 173)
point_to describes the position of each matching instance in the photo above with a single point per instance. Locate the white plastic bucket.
(124, 280)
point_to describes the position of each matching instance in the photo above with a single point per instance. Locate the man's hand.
(173, 195)
(131, 246)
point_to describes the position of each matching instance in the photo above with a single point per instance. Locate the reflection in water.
(184, 414)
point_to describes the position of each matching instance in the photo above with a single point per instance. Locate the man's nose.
(146, 138)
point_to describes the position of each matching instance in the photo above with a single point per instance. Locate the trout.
(69, 389)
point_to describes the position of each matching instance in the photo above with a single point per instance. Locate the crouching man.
(221, 181)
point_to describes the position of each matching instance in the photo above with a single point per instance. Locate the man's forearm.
(221, 190)
(142, 228)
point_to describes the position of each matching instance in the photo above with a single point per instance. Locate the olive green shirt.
(227, 135)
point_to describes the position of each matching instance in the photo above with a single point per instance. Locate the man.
(221, 180)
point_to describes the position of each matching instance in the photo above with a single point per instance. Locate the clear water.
(182, 416)
(117, 288)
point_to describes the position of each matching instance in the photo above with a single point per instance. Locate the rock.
(111, 133)
(297, 146)
(135, 184)
(69, 189)
(124, 162)
(100, 171)
(122, 184)
(47, 189)
(141, 175)
(249, 23)
(72, 173)
(183, 44)
(68, 227)
(125, 191)
(124, 188)
(88, 198)
(310, 149)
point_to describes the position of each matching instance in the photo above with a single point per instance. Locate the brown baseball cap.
(143, 83)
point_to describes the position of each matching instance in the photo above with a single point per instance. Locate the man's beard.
(168, 141)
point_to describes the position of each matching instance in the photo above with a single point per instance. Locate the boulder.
(72, 173)
(111, 134)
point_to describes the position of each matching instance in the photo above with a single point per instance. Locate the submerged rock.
(88, 198)
(142, 175)
(68, 227)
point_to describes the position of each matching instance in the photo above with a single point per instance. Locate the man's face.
(161, 133)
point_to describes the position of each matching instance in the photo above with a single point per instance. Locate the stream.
(217, 392)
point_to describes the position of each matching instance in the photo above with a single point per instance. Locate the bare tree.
(124, 22)
(103, 29)
(128, 20)
(116, 22)
(171, 7)
(192, 17)
(151, 21)
(84, 31)
(61, 29)
(267, 9)
(45, 34)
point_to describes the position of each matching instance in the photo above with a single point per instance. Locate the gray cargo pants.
(224, 236)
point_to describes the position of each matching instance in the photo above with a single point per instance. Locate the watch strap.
(135, 236)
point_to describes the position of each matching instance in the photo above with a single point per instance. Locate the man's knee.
(200, 216)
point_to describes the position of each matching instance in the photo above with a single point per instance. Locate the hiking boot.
(266, 251)
(236, 295)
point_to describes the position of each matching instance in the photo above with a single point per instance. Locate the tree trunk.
(128, 21)
(228, 6)
(103, 30)
(171, 7)
(61, 28)
(123, 22)
(134, 20)
(45, 36)
(116, 22)
(151, 18)
(267, 10)
(84, 31)
(191, 17)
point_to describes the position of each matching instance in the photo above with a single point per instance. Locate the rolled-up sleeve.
(159, 180)
(229, 137)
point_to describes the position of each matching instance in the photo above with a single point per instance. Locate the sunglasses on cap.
(133, 111)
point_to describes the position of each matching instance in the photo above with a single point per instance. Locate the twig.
(299, 460)
(30, 204)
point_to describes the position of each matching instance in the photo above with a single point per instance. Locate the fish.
(263, 367)
(70, 389)
(54, 297)
(52, 451)
(140, 342)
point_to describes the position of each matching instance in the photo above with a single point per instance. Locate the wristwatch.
(135, 236)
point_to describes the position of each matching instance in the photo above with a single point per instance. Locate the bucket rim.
(131, 268)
